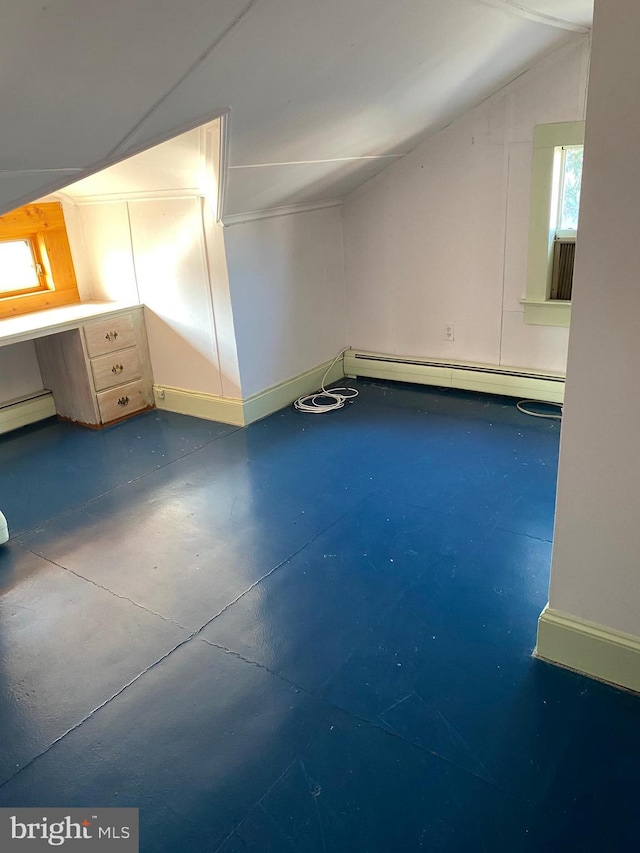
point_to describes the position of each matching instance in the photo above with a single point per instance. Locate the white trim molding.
(547, 312)
(18, 413)
(223, 163)
(138, 195)
(229, 410)
(529, 14)
(278, 396)
(272, 212)
(226, 410)
(588, 648)
(486, 378)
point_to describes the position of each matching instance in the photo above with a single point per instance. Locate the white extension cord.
(521, 408)
(334, 398)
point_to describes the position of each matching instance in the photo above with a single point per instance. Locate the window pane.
(17, 268)
(571, 182)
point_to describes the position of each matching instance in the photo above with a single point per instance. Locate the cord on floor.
(334, 398)
(551, 415)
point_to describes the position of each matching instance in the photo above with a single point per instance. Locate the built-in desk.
(93, 356)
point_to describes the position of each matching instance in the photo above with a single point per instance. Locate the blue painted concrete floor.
(313, 634)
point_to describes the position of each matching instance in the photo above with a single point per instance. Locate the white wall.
(170, 263)
(142, 232)
(441, 236)
(153, 251)
(102, 254)
(595, 568)
(19, 371)
(286, 276)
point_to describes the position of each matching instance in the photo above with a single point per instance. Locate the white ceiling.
(322, 95)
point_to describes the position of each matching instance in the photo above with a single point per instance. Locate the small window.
(19, 270)
(36, 267)
(563, 220)
(556, 181)
(570, 184)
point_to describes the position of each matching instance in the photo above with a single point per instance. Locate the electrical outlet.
(448, 332)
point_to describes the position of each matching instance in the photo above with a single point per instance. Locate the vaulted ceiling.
(320, 94)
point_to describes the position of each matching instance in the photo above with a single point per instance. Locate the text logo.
(69, 829)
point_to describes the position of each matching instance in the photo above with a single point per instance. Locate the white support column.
(593, 620)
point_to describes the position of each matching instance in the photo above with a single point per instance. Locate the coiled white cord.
(334, 398)
(521, 408)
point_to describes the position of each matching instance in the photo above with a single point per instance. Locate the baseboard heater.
(487, 378)
(26, 410)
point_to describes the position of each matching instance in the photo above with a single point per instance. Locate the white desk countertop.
(38, 324)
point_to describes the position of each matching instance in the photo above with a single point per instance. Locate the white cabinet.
(99, 372)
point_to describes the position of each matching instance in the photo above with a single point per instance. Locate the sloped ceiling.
(320, 96)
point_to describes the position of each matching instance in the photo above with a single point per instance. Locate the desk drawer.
(122, 400)
(115, 368)
(109, 335)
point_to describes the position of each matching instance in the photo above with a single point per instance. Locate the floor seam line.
(98, 708)
(104, 588)
(518, 533)
(327, 702)
(116, 488)
(282, 563)
(258, 802)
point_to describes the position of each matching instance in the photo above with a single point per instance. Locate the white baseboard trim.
(18, 413)
(226, 410)
(489, 379)
(588, 648)
(277, 396)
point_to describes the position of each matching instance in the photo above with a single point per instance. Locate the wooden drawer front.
(109, 335)
(121, 401)
(115, 368)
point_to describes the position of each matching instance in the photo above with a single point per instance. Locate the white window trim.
(539, 310)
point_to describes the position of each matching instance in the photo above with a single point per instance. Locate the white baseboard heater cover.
(490, 379)
(26, 410)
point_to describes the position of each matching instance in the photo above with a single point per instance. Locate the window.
(36, 269)
(19, 270)
(555, 202)
(563, 220)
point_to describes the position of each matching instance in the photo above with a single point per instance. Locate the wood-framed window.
(36, 268)
(553, 221)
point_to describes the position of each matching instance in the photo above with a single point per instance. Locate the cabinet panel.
(64, 373)
(116, 368)
(109, 335)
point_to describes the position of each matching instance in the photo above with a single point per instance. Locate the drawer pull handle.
(111, 336)
(117, 368)
(123, 401)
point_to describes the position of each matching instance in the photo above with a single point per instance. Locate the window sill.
(548, 312)
(14, 306)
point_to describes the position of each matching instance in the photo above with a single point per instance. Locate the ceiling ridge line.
(533, 15)
(38, 171)
(202, 58)
(311, 162)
